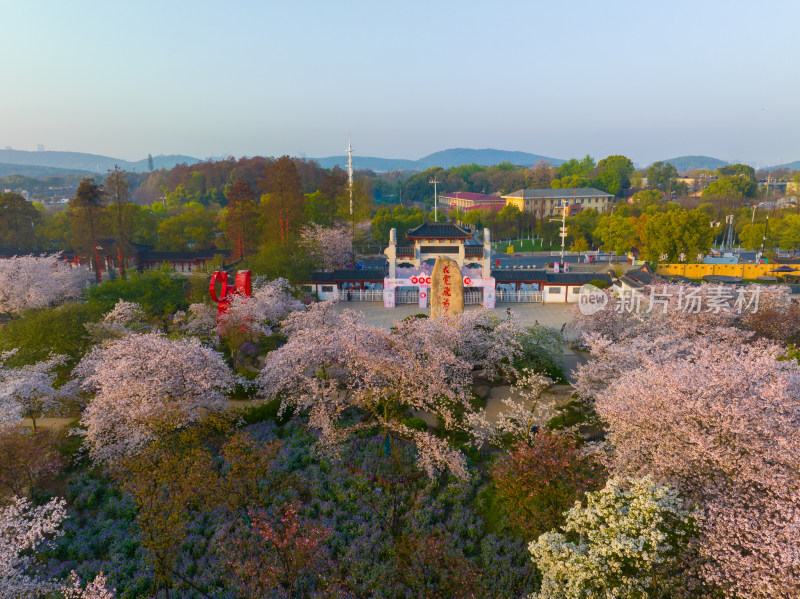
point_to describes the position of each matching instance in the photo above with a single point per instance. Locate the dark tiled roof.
(405, 250)
(170, 256)
(348, 275)
(509, 275)
(473, 250)
(631, 282)
(566, 193)
(644, 276)
(439, 231)
(576, 278)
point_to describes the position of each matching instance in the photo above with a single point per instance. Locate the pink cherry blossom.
(28, 391)
(335, 361)
(23, 527)
(96, 589)
(329, 247)
(38, 281)
(147, 383)
(719, 422)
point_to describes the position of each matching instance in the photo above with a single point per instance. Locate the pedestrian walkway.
(549, 315)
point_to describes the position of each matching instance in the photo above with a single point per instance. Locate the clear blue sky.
(650, 80)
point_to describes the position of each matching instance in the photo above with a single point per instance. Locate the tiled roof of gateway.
(366, 274)
(439, 231)
(566, 193)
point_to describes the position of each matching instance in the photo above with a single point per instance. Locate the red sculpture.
(241, 286)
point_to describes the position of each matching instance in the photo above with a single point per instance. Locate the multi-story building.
(549, 202)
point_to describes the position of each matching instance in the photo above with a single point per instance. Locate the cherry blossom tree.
(38, 281)
(200, 320)
(123, 319)
(627, 542)
(720, 424)
(248, 318)
(24, 527)
(28, 391)
(334, 362)
(147, 384)
(96, 589)
(329, 247)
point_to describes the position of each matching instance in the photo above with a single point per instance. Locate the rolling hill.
(445, 159)
(36, 171)
(92, 163)
(688, 163)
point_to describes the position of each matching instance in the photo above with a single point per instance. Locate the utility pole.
(563, 232)
(435, 182)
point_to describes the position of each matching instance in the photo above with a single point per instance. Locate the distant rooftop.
(472, 197)
(566, 193)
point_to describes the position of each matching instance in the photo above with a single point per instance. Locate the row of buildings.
(542, 202)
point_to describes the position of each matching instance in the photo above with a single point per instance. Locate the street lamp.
(753, 219)
(435, 182)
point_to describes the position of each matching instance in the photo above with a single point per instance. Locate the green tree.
(621, 166)
(677, 232)
(787, 230)
(400, 218)
(19, 220)
(282, 204)
(193, 228)
(645, 198)
(616, 232)
(86, 220)
(731, 186)
(737, 170)
(117, 190)
(574, 167)
(159, 292)
(39, 333)
(242, 225)
(660, 175)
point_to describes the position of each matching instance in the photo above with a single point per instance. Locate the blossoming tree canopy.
(334, 361)
(626, 542)
(721, 424)
(22, 528)
(28, 391)
(37, 281)
(329, 247)
(145, 384)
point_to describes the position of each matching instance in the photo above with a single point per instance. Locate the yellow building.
(547, 202)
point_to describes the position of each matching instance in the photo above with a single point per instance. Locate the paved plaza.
(550, 315)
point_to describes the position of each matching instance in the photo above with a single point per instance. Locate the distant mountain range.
(38, 172)
(445, 159)
(792, 166)
(53, 163)
(78, 162)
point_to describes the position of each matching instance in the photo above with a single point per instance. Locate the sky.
(650, 80)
